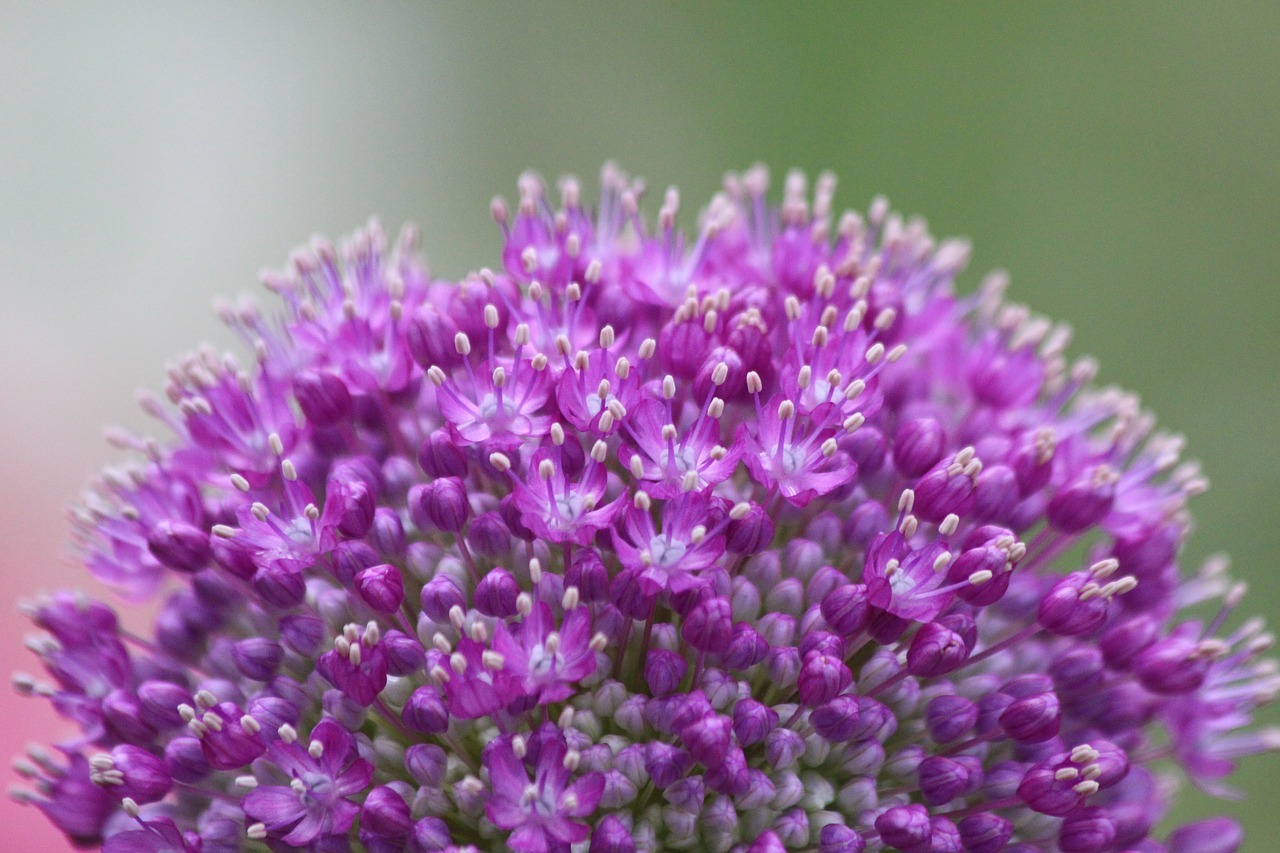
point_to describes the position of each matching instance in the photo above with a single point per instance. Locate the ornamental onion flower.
(761, 538)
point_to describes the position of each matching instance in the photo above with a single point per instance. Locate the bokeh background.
(1121, 160)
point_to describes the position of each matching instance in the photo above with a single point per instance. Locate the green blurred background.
(1119, 159)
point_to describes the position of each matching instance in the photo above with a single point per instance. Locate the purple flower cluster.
(762, 540)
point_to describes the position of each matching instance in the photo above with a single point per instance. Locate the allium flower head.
(757, 539)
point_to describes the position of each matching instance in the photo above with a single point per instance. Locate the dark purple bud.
(1215, 835)
(782, 747)
(589, 574)
(686, 599)
(943, 779)
(441, 504)
(185, 761)
(496, 594)
(387, 533)
(836, 720)
(323, 397)
(1084, 501)
(488, 535)
(349, 558)
(385, 813)
(280, 587)
(121, 712)
(440, 457)
(682, 346)
(867, 448)
(732, 777)
(866, 522)
(709, 625)
(985, 833)
(664, 763)
(631, 596)
(146, 779)
(179, 546)
(158, 703)
(1032, 461)
(1071, 608)
(752, 721)
(511, 515)
(1043, 792)
(1090, 830)
(429, 336)
(439, 596)
(874, 720)
(943, 491)
(257, 658)
(689, 708)
(948, 717)
(611, 836)
(234, 556)
(302, 634)
(746, 648)
(405, 654)
(995, 494)
(822, 677)
(846, 609)
(885, 627)
(708, 739)
(985, 557)
(905, 827)
(272, 712)
(425, 711)
(838, 838)
(381, 587)
(1077, 668)
(1032, 719)
(917, 445)
(1172, 666)
(1124, 639)
(1148, 551)
(935, 650)
(663, 671)
(750, 534)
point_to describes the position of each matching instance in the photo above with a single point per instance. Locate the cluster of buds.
(761, 540)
